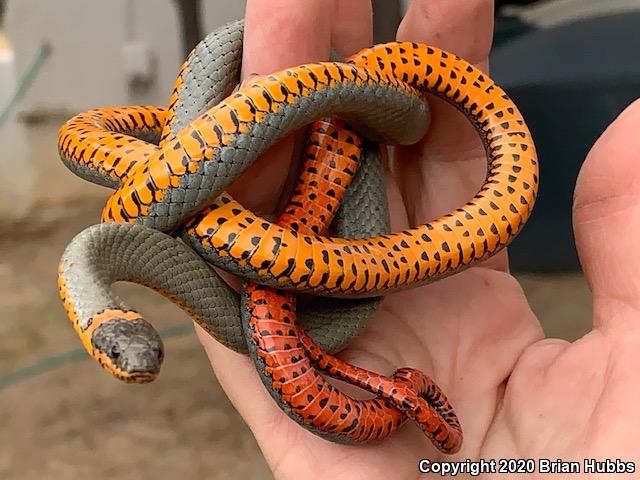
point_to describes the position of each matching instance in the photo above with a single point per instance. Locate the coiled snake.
(206, 138)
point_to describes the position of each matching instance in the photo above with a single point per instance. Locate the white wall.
(16, 172)
(87, 66)
(86, 69)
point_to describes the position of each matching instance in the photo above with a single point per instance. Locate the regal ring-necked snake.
(356, 420)
(181, 177)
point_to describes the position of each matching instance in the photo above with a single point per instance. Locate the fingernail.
(250, 78)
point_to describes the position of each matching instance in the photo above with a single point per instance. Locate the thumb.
(606, 216)
(276, 36)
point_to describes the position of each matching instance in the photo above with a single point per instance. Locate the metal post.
(190, 23)
(386, 19)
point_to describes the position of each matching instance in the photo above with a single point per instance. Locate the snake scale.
(170, 168)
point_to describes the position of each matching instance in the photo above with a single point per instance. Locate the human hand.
(517, 394)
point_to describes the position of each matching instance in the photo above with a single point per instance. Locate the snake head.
(131, 350)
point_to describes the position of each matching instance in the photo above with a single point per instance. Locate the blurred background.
(570, 65)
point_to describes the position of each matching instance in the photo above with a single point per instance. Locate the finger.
(352, 31)
(463, 27)
(284, 33)
(278, 34)
(448, 166)
(351, 26)
(606, 217)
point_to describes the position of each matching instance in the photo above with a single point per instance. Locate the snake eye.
(115, 353)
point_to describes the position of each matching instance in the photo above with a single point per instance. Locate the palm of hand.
(518, 395)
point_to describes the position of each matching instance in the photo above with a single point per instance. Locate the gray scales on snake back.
(109, 252)
(350, 88)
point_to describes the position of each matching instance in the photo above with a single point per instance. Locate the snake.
(130, 349)
(182, 179)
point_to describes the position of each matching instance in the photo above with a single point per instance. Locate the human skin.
(517, 393)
